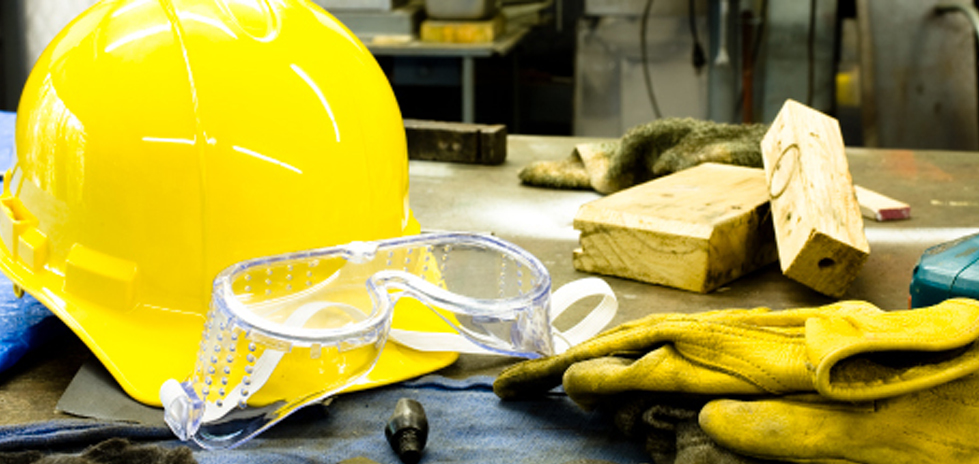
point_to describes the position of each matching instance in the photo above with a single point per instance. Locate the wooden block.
(391, 39)
(696, 229)
(821, 242)
(456, 142)
(880, 207)
(434, 30)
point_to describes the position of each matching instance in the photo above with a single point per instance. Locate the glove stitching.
(648, 344)
(620, 341)
(765, 373)
(951, 444)
(922, 318)
(753, 332)
(751, 328)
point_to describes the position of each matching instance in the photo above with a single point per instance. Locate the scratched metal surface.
(941, 188)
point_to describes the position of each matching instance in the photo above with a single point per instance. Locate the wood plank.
(818, 227)
(881, 207)
(486, 31)
(456, 142)
(697, 229)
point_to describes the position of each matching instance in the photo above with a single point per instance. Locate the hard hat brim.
(146, 345)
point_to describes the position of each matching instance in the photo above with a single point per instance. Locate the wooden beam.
(818, 227)
(455, 31)
(456, 142)
(697, 229)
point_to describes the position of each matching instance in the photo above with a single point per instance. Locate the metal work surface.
(939, 186)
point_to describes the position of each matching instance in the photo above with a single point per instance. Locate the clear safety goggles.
(290, 330)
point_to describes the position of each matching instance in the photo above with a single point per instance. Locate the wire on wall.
(699, 57)
(760, 26)
(811, 53)
(759, 34)
(645, 59)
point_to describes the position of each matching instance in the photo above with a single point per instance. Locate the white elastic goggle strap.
(596, 320)
(561, 299)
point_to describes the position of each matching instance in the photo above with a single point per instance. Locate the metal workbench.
(941, 188)
(466, 53)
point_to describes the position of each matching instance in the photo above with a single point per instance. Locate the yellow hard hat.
(161, 141)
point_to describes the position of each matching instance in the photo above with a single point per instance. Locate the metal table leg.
(468, 90)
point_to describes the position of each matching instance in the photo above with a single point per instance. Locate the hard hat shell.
(161, 141)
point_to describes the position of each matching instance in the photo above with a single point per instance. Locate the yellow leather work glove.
(937, 425)
(848, 351)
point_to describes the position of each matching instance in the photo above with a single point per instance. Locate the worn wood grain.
(818, 224)
(697, 229)
(456, 142)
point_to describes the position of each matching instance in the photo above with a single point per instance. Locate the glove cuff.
(865, 356)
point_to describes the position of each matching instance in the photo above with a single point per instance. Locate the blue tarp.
(24, 323)
(6, 139)
(467, 424)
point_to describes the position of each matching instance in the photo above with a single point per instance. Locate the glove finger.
(530, 378)
(757, 316)
(661, 370)
(629, 336)
(796, 431)
(536, 377)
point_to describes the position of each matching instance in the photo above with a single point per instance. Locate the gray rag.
(649, 151)
(667, 424)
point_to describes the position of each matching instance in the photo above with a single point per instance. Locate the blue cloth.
(72, 433)
(7, 153)
(24, 322)
(467, 424)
